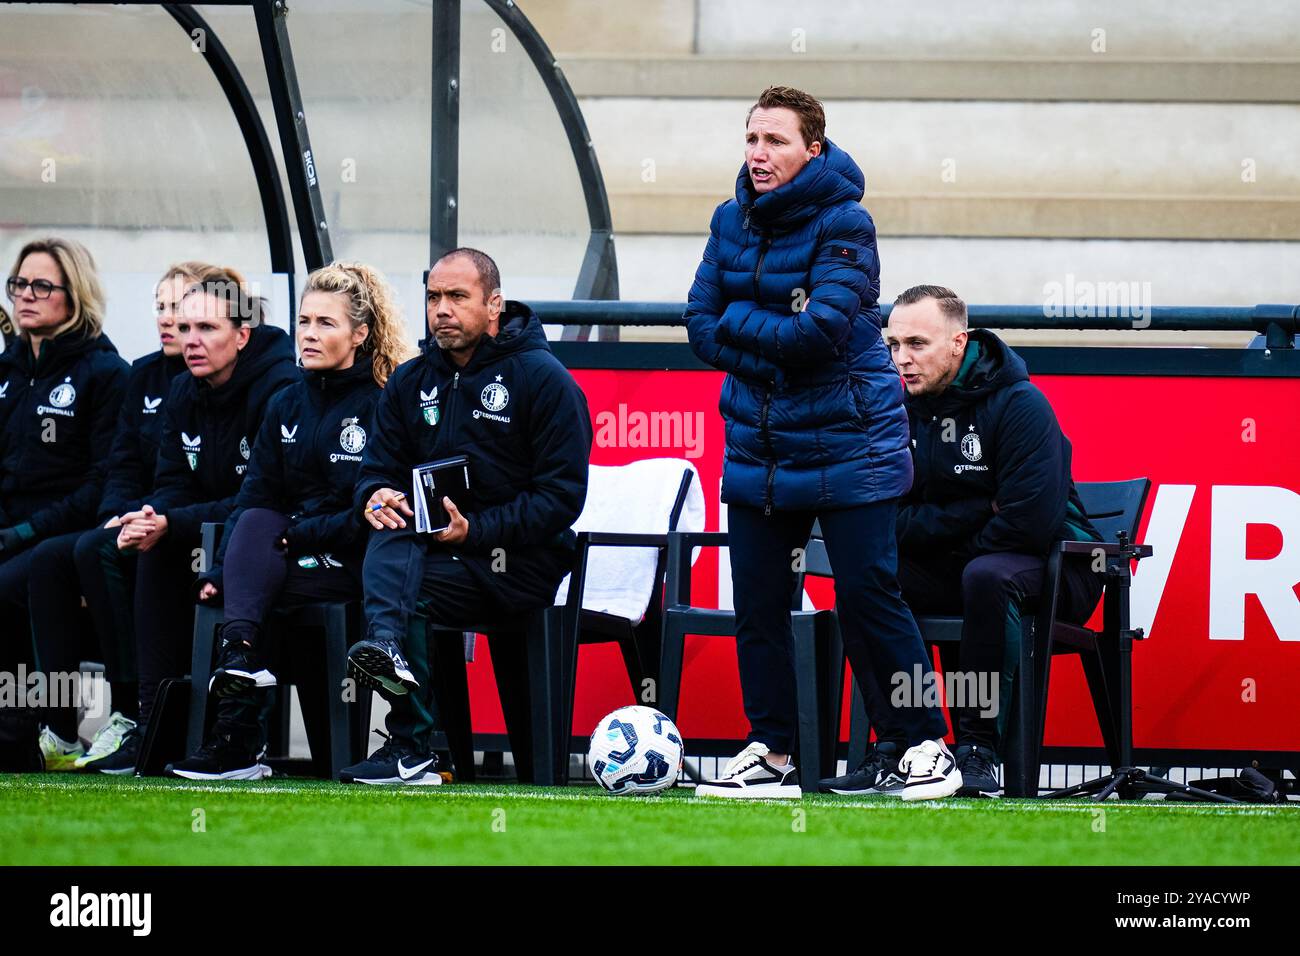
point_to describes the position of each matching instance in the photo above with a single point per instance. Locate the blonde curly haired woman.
(294, 536)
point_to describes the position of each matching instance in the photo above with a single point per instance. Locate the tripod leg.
(1118, 780)
(1161, 785)
(1086, 788)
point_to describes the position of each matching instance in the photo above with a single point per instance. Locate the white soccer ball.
(635, 750)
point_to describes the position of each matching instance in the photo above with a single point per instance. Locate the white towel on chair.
(631, 499)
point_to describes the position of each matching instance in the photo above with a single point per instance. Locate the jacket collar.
(520, 330)
(827, 179)
(337, 380)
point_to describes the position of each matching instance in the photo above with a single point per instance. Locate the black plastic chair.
(1115, 510)
(345, 729)
(535, 658)
(527, 651)
(818, 651)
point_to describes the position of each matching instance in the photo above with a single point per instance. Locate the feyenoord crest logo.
(970, 447)
(353, 437)
(191, 446)
(495, 396)
(429, 406)
(63, 395)
(243, 447)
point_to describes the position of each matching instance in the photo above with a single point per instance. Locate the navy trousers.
(407, 573)
(880, 636)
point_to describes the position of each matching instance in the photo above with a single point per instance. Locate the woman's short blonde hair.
(189, 270)
(81, 278)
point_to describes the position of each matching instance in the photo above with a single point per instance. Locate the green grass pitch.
(81, 820)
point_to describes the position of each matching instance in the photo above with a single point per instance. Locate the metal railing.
(1277, 323)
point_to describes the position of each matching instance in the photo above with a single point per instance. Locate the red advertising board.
(1220, 601)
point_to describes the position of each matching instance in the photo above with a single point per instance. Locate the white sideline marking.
(454, 791)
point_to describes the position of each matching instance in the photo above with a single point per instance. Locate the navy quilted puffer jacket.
(785, 303)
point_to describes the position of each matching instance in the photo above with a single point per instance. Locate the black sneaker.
(877, 774)
(378, 663)
(979, 771)
(397, 763)
(220, 758)
(121, 762)
(239, 668)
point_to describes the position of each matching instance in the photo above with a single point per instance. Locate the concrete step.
(1047, 169)
(1094, 78)
(937, 28)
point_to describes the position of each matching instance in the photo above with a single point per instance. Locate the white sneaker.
(931, 771)
(749, 776)
(107, 740)
(58, 753)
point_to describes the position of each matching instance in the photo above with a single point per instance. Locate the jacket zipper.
(451, 404)
(767, 443)
(767, 398)
(934, 419)
(758, 269)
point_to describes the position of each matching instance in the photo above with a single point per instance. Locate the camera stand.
(1133, 783)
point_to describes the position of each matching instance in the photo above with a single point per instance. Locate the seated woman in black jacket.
(294, 537)
(61, 384)
(236, 364)
(67, 568)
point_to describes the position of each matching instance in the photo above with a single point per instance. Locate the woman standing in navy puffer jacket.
(785, 302)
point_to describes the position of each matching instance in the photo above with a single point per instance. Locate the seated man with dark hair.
(991, 494)
(486, 387)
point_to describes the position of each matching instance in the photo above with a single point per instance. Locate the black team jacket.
(134, 457)
(57, 416)
(522, 421)
(306, 460)
(989, 435)
(208, 433)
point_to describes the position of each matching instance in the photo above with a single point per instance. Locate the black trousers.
(879, 633)
(258, 576)
(15, 632)
(406, 573)
(58, 624)
(164, 613)
(989, 592)
(107, 577)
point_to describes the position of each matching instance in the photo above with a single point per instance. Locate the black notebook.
(433, 480)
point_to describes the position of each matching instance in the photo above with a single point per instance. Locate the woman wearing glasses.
(64, 570)
(61, 385)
